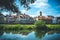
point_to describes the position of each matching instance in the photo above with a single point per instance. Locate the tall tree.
(26, 3)
(11, 6)
(8, 4)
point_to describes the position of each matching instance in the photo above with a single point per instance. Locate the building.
(40, 17)
(54, 20)
(24, 18)
(20, 18)
(12, 19)
(47, 19)
(58, 20)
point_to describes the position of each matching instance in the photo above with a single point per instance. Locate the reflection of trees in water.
(38, 33)
(23, 32)
(41, 33)
(58, 32)
(1, 32)
(53, 31)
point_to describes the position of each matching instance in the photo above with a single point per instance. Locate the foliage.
(40, 34)
(26, 3)
(10, 5)
(39, 23)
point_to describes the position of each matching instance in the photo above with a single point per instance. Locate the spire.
(40, 13)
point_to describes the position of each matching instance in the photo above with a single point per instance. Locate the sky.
(48, 7)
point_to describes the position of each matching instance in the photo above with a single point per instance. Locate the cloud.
(28, 13)
(14, 13)
(40, 3)
(23, 11)
(58, 15)
(5, 13)
(32, 15)
(35, 14)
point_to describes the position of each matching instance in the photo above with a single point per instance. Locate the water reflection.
(20, 35)
(29, 35)
(40, 34)
(52, 35)
(1, 32)
(48, 35)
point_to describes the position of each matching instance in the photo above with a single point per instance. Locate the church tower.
(40, 13)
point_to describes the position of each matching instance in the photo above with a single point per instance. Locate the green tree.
(10, 5)
(39, 23)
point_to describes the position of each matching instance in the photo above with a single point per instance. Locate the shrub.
(39, 23)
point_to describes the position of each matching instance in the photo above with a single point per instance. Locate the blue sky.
(48, 7)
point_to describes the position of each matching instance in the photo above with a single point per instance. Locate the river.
(29, 35)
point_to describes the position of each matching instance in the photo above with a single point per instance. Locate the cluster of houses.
(26, 19)
(18, 18)
(48, 19)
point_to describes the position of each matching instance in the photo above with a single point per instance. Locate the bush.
(39, 23)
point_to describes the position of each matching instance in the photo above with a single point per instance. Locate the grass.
(53, 26)
(16, 27)
(25, 27)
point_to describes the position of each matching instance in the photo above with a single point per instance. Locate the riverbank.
(54, 26)
(16, 27)
(26, 27)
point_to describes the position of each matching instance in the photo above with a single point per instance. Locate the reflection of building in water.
(25, 33)
(47, 19)
(1, 32)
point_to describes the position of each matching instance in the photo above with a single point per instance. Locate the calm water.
(29, 35)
